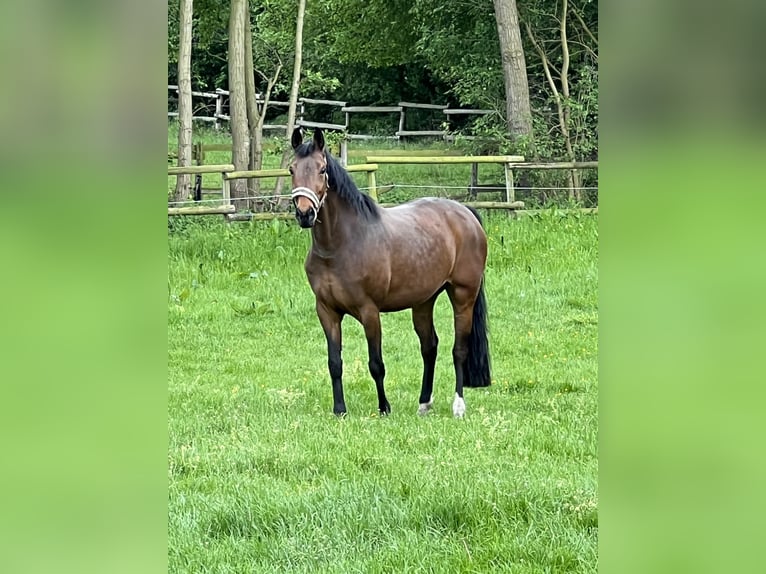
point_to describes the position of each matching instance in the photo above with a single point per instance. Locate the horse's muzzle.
(306, 219)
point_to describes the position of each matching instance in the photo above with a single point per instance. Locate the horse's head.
(309, 176)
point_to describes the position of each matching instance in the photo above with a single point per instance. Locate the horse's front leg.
(331, 324)
(370, 319)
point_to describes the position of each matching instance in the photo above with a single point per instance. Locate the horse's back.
(430, 242)
(438, 220)
(435, 209)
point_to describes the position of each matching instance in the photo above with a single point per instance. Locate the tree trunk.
(574, 177)
(183, 182)
(237, 100)
(253, 117)
(517, 108)
(296, 69)
(257, 142)
(293, 94)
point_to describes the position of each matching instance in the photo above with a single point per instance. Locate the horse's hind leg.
(423, 321)
(370, 319)
(462, 299)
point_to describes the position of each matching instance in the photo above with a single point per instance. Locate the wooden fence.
(226, 207)
(228, 173)
(219, 99)
(507, 161)
(510, 163)
(370, 167)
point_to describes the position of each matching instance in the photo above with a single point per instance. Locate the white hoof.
(458, 406)
(425, 407)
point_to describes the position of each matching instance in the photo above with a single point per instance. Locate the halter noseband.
(311, 195)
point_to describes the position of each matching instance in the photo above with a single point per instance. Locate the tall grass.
(263, 478)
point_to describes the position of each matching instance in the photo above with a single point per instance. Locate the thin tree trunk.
(183, 182)
(296, 69)
(257, 142)
(517, 107)
(253, 117)
(562, 99)
(575, 179)
(293, 94)
(237, 99)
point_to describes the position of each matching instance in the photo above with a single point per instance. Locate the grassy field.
(263, 478)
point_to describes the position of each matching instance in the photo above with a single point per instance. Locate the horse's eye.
(290, 169)
(322, 170)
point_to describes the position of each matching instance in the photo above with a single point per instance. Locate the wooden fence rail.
(369, 168)
(195, 169)
(220, 100)
(373, 162)
(507, 162)
(516, 209)
(228, 173)
(202, 210)
(510, 163)
(227, 207)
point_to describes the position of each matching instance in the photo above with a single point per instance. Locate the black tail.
(477, 365)
(475, 214)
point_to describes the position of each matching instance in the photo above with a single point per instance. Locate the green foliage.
(381, 52)
(316, 83)
(458, 42)
(376, 33)
(262, 478)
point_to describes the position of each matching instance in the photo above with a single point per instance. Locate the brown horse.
(365, 259)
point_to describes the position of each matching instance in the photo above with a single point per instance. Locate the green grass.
(263, 478)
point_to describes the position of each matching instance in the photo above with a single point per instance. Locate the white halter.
(309, 194)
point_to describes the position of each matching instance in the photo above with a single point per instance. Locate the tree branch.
(267, 95)
(585, 48)
(564, 74)
(560, 105)
(544, 60)
(584, 26)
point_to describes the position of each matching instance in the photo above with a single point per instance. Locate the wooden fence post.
(344, 150)
(474, 179)
(510, 193)
(372, 191)
(218, 109)
(225, 191)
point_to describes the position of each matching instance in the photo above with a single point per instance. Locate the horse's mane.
(341, 183)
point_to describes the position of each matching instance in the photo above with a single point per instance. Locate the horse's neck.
(334, 227)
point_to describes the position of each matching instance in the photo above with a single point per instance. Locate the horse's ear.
(297, 138)
(318, 139)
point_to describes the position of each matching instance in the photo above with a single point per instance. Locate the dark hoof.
(339, 412)
(385, 410)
